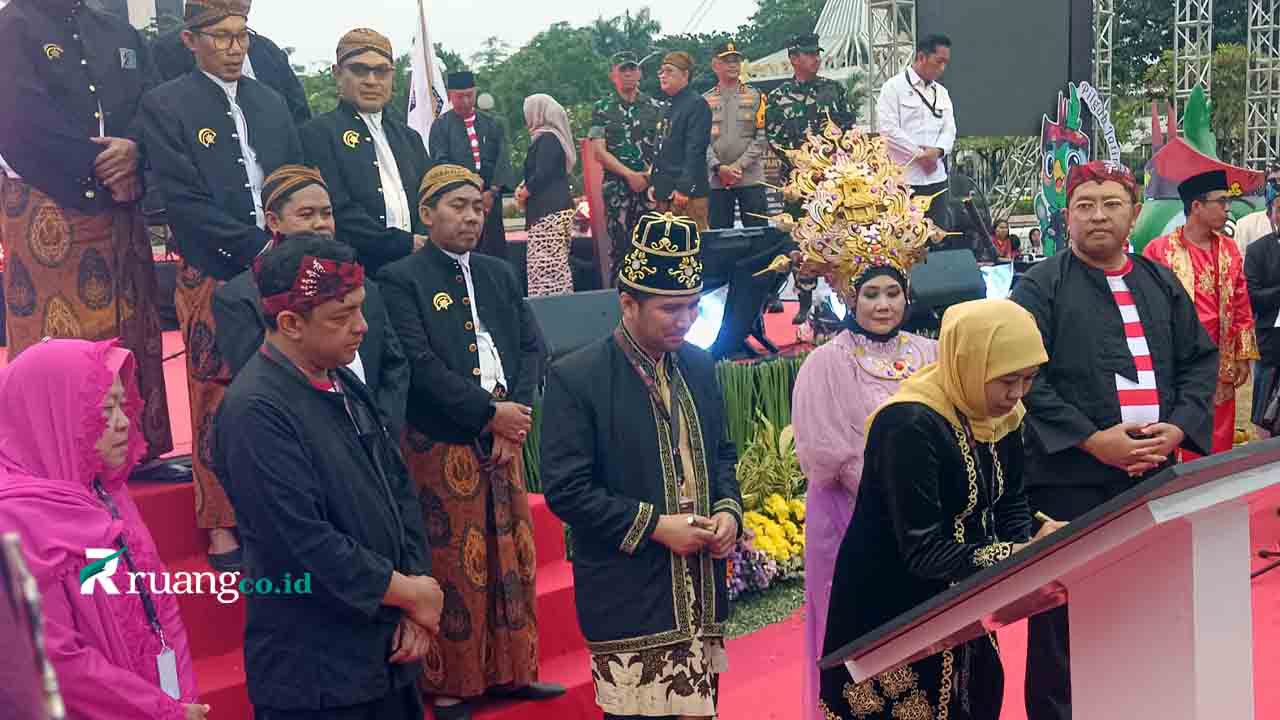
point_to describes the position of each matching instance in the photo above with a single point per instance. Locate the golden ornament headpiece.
(859, 212)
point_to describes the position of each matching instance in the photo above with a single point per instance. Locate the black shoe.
(774, 306)
(461, 711)
(801, 316)
(232, 561)
(532, 691)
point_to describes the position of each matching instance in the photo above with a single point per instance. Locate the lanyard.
(932, 105)
(148, 604)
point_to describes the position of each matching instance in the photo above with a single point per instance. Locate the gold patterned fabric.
(443, 178)
(90, 277)
(364, 40)
(547, 255)
(665, 256)
(482, 554)
(203, 13)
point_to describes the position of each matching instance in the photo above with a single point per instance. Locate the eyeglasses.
(362, 71)
(224, 41)
(1223, 202)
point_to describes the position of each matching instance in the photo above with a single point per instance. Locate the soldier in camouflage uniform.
(624, 130)
(796, 106)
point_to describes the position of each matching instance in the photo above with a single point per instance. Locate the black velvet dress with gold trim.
(933, 508)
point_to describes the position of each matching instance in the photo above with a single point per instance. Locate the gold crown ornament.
(859, 211)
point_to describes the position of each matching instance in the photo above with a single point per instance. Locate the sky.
(463, 25)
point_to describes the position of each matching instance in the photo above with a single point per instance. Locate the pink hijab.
(50, 421)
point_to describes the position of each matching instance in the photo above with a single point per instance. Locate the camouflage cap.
(624, 59)
(804, 43)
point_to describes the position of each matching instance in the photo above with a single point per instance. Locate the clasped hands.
(1136, 448)
(510, 426)
(116, 167)
(688, 534)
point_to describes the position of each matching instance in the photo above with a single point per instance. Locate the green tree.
(1144, 31)
(452, 61)
(492, 52)
(1230, 63)
(775, 22)
(626, 33)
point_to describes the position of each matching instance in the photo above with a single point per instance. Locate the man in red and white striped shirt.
(1130, 380)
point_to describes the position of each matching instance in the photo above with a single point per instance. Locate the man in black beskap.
(1262, 273)
(324, 496)
(265, 62)
(679, 181)
(372, 162)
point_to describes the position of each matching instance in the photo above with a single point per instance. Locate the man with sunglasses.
(264, 61)
(915, 116)
(1210, 269)
(212, 136)
(371, 162)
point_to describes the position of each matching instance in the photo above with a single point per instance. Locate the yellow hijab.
(981, 340)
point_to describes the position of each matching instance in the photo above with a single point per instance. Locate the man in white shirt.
(1258, 224)
(917, 119)
(372, 163)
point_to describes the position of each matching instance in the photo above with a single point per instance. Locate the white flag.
(428, 98)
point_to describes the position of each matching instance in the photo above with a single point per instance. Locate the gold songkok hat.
(364, 40)
(859, 212)
(203, 13)
(443, 178)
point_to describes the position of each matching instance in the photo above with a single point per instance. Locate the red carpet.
(764, 678)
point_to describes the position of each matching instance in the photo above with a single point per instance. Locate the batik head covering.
(445, 178)
(316, 281)
(285, 181)
(679, 59)
(50, 421)
(980, 341)
(542, 114)
(860, 213)
(665, 256)
(203, 13)
(364, 40)
(1100, 171)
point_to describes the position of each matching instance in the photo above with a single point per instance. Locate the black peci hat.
(665, 257)
(461, 80)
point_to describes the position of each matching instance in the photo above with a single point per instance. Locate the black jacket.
(194, 150)
(271, 67)
(683, 136)
(603, 474)
(449, 144)
(319, 490)
(1262, 273)
(338, 143)
(58, 67)
(426, 296)
(546, 179)
(1075, 393)
(239, 332)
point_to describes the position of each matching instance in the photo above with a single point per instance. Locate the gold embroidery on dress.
(987, 556)
(899, 681)
(913, 707)
(944, 688)
(863, 699)
(971, 469)
(826, 711)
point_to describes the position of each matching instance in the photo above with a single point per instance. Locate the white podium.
(1159, 591)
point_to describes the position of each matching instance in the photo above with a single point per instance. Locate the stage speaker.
(568, 322)
(949, 277)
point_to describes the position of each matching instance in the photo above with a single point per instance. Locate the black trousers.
(403, 704)
(1048, 680)
(750, 199)
(493, 237)
(939, 211)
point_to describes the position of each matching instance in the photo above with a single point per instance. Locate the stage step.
(169, 510)
(579, 701)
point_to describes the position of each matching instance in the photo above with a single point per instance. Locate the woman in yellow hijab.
(941, 498)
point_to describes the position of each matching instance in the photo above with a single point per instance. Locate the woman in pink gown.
(838, 388)
(69, 437)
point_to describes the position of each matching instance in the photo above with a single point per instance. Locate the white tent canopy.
(842, 33)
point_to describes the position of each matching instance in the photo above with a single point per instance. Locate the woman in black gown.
(941, 498)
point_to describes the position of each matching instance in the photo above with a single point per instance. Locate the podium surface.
(1159, 590)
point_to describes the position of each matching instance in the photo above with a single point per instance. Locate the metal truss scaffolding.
(891, 31)
(1104, 15)
(1262, 102)
(1192, 47)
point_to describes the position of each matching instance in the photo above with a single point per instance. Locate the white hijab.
(542, 114)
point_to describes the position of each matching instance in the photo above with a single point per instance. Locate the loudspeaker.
(568, 322)
(949, 277)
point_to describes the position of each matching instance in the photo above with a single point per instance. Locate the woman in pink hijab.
(68, 441)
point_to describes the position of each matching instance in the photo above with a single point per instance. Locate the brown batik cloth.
(482, 554)
(547, 259)
(91, 277)
(208, 376)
